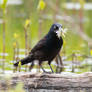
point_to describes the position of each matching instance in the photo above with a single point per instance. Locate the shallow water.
(68, 64)
(12, 2)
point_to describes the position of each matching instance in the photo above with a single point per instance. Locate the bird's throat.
(58, 33)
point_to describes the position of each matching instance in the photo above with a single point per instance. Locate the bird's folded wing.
(40, 45)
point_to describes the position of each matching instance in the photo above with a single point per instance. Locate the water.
(2, 60)
(3, 54)
(1, 21)
(77, 6)
(68, 64)
(12, 2)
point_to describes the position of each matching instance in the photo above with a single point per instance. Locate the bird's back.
(47, 48)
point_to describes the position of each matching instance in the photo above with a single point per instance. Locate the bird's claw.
(48, 72)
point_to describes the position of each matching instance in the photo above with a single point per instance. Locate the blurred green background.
(39, 15)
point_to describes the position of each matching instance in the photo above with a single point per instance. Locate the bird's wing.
(39, 45)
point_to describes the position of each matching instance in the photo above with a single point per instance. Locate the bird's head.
(57, 29)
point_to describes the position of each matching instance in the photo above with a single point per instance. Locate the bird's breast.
(54, 44)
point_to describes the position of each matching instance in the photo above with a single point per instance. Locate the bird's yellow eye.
(55, 28)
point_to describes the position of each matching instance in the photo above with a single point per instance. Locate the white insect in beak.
(64, 31)
(61, 31)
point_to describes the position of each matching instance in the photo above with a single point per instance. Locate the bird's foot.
(48, 72)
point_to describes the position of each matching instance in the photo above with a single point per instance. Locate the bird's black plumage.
(46, 49)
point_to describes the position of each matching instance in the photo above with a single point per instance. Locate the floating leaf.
(41, 5)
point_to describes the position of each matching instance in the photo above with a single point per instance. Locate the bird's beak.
(59, 32)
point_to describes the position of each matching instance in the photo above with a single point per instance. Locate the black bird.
(46, 49)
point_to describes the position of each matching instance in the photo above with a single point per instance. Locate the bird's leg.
(40, 64)
(43, 69)
(50, 67)
(31, 66)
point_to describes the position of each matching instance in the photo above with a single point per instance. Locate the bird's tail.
(26, 60)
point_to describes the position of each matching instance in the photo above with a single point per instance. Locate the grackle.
(46, 49)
